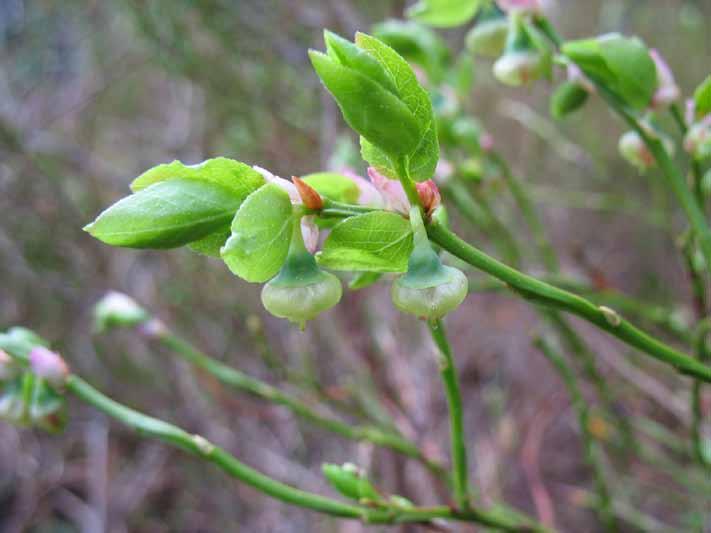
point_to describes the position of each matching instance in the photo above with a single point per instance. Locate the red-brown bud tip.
(308, 194)
(429, 195)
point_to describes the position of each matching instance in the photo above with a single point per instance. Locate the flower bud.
(698, 140)
(429, 290)
(49, 366)
(301, 291)
(488, 36)
(429, 195)
(117, 310)
(633, 149)
(522, 61)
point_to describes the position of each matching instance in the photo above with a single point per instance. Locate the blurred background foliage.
(94, 92)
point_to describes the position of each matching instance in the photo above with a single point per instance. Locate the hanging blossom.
(667, 89)
(309, 229)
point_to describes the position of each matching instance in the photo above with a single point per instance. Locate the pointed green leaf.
(261, 233)
(377, 242)
(241, 179)
(444, 13)
(369, 108)
(702, 98)
(623, 64)
(423, 159)
(167, 214)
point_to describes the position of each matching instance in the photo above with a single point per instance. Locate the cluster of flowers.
(302, 290)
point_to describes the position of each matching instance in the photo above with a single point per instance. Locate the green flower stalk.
(429, 289)
(301, 291)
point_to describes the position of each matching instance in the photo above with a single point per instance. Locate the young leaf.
(261, 232)
(167, 214)
(375, 242)
(444, 13)
(623, 64)
(241, 179)
(334, 186)
(368, 107)
(18, 342)
(702, 98)
(423, 159)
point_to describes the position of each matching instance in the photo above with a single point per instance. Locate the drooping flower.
(667, 89)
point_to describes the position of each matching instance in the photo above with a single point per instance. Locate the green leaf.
(334, 186)
(417, 44)
(702, 98)
(423, 159)
(622, 64)
(567, 98)
(444, 13)
(375, 242)
(261, 233)
(241, 179)
(368, 107)
(167, 214)
(213, 243)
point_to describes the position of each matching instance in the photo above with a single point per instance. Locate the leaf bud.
(350, 481)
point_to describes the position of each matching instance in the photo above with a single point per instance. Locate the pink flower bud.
(48, 365)
(429, 195)
(152, 329)
(667, 89)
(310, 232)
(391, 191)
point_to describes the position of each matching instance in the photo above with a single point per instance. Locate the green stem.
(448, 371)
(480, 217)
(403, 172)
(704, 356)
(240, 381)
(533, 221)
(200, 447)
(541, 292)
(591, 448)
(674, 178)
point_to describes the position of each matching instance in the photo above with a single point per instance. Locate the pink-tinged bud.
(116, 309)
(528, 6)
(310, 232)
(308, 194)
(575, 75)
(391, 191)
(429, 195)
(48, 365)
(698, 140)
(487, 142)
(289, 187)
(8, 368)
(667, 89)
(690, 111)
(633, 149)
